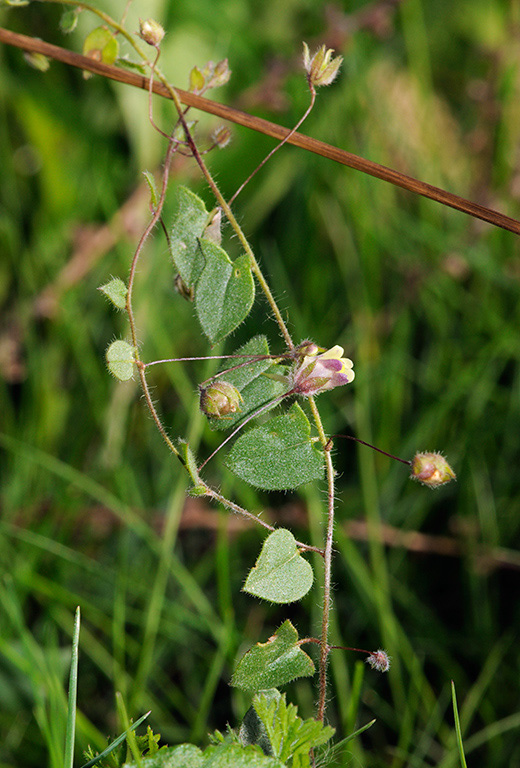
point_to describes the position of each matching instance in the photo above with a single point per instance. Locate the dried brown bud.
(321, 68)
(221, 136)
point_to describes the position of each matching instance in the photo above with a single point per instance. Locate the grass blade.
(73, 690)
(115, 743)
(457, 726)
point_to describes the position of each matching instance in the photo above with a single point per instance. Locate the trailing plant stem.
(129, 308)
(327, 561)
(108, 20)
(212, 494)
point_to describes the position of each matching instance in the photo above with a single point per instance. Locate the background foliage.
(425, 301)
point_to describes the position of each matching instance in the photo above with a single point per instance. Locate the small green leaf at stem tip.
(116, 291)
(120, 357)
(69, 20)
(135, 66)
(273, 663)
(197, 80)
(152, 186)
(279, 455)
(191, 466)
(198, 490)
(280, 574)
(37, 61)
(100, 45)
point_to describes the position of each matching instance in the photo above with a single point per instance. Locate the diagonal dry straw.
(268, 128)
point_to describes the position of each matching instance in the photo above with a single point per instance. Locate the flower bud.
(211, 75)
(307, 349)
(317, 373)
(221, 136)
(151, 32)
(431, 469)
(220, 399)
(37, 60)
(220, 74)
(379, 660)
(321, 68)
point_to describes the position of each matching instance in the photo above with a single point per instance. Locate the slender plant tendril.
(173, 145)
(278, 146)
(250, 359)
(379, 450)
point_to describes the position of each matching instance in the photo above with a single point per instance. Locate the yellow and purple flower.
(318, 373)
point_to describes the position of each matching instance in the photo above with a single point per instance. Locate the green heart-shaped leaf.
(274, 663)
(121, 359)
(224, 293)
(278, 455)
(101, 45)
(280, 574)
(116, 291)
(189, 224)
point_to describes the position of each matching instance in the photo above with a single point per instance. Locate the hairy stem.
(141, 367)
(327, 581)
(255, 267)
(327, 562)
(212, 494)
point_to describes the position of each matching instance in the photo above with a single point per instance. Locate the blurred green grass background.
(424, 300)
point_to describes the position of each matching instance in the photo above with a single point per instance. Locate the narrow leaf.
(224, 293)
(152, 186)
(278, 455)
(69, 20)
(253, 730)
(121, 359)
(458, 731)
(115, 743)
(191, 466)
